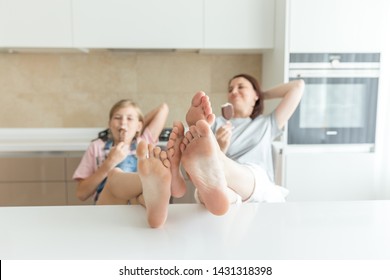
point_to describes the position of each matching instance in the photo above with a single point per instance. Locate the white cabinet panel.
(239, 24)
(329, 176)
(38, 23)
(138, 24)
(337, 26)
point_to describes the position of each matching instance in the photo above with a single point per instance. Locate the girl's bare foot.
(200, 158)
(155, 175)
(178, 185)
(200, 109)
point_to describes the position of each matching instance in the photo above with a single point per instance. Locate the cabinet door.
(72, 162)
(32, 194)
(71, 195)
(32, 169)
(239, 24)
(337, 26)
(38, 23)
(329, 176)
(148, 24)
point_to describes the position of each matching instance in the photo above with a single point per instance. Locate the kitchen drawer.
(32, 169)
(71, 164)
(32, 194)
(71, 195)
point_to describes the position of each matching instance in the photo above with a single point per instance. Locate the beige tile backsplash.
(77, 90)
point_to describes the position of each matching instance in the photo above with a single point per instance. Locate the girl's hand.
(118, 153)
(224, 135)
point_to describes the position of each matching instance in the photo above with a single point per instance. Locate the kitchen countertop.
(47, 139)
(358, 230)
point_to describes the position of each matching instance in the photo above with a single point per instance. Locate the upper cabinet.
(137, 24)
(38, 23)
(172, 24)
(336, 26)
(239, 24)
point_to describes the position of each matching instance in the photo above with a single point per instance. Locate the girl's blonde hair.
(128, 103)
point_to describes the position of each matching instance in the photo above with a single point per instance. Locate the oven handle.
(296, 73)
(334, 65)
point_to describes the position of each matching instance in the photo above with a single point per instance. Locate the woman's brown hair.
(259, 105)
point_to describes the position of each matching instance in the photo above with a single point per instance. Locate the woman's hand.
(291, 94)
(224, 135)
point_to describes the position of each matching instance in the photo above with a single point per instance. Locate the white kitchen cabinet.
(336, 26)
(38, 23)
(330, 176)
(150, 24)
(239, 24)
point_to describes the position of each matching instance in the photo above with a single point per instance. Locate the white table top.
(320, 230)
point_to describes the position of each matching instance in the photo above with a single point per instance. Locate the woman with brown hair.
(230, 161)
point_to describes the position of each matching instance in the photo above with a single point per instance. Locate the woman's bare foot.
(200, 109)
(201, 161)
(155, 175)
(178, 185)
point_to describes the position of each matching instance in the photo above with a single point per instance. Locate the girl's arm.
(155, 120)
(87, 186)
(291, 94)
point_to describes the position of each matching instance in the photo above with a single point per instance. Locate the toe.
(142, 150)
(202, 128)
(197, 99)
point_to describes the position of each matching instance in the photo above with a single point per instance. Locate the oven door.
(335, 110)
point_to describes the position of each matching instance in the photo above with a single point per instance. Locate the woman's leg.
(200, 109)
(239, 177)
(217, 178)
(200, 159)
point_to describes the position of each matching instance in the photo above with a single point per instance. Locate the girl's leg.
(155, 175)
(120, 188)
(178, 185)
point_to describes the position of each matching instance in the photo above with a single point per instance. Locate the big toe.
(203, 128)
(197, 99)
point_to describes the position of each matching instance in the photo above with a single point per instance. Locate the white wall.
(274, 61)
(382, 185)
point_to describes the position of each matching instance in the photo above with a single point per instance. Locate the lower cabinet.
(330, 176)
(72, 161)
(39, 179)
(32, 193)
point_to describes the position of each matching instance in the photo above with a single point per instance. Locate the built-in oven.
(339, 104)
